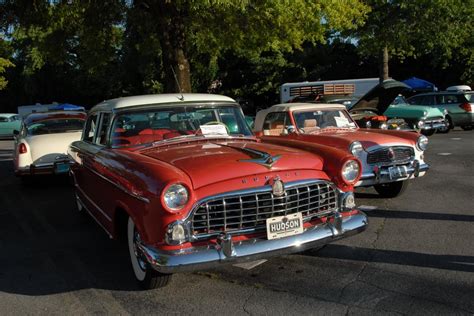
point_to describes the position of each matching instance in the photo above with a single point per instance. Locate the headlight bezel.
(356, 148)
(357, 171)
(422, 143)
(169, 233)
(178, 188)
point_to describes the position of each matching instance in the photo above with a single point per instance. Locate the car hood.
(379, 98)
(412, 111)
(45, 148)
(342, 138)
(215, 161)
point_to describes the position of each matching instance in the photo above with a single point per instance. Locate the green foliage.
(4, 63)
(416, 28)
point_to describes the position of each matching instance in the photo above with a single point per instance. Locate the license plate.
(61, 168)
(398, 172)
(283, 226)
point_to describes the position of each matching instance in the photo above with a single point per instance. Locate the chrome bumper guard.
(434, 125)
(227, 251)
(381, 175)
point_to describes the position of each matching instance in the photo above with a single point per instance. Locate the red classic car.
(388, 157)
(185, 180)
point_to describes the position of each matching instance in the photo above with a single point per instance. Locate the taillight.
(466, 107)
(22, 149)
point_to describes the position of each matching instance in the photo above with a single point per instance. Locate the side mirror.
(290, 129)
(16, 132)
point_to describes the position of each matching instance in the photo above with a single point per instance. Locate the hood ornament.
(261, 157)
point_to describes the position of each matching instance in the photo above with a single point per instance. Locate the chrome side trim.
(227, 251)
(93, 216)
(95, 205)
(118, 186)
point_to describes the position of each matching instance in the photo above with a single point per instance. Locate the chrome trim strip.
(141, 198)
(95, 205)
(198, 258)
(93, 216)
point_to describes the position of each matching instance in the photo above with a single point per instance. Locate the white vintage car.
(41, 144)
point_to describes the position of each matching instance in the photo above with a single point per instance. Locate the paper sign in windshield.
(341, 121)
(214, 130)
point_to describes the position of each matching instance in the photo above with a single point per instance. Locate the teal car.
(383, 107)
(458, 104)
(8, 123)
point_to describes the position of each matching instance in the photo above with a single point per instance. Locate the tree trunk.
(383, 65)
(172, 22)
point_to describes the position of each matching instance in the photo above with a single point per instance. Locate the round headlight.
(420, 124)
(422, 143)
(368, 124)
(175, 197)
(356, 148)
(350, 171)
(383, 126)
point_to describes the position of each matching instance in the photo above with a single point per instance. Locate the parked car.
(42, 142)
(191, 192)
(8, 123)
(459, 106)
(383, 107)
(388, 158)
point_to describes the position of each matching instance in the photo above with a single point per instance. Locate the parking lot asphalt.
(417, 256)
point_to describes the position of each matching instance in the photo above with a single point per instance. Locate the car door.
(86, 170)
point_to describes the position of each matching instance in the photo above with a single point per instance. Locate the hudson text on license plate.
(398, 172)
(283, 226)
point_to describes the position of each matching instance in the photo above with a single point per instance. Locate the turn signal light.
(22, 149)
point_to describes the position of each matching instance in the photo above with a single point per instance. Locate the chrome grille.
(248, 211)
(391, 155)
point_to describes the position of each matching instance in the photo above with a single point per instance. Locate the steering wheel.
(218, 123)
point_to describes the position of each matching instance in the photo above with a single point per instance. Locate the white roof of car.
(177, 98)
(8, 114)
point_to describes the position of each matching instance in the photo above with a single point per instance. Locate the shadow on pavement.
(418, 215)
(407, 258)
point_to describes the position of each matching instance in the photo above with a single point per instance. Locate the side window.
(3, 119)
(414, 100)
(452, 98)
(275, 123)
(440, 99)
(91, 126)
(104, 126)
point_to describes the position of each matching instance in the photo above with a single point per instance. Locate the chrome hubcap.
(137, 240)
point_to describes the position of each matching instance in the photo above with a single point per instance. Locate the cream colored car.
(42, 143)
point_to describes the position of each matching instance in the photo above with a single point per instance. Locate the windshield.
(311, 121)
(164, 123)
(399, 100)
(55, 126)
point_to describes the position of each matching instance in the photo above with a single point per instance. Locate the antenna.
(177, 83)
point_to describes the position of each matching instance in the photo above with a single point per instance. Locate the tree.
(406, 28)
(188, 29)
(4, 63)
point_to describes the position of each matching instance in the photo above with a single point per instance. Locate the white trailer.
(291, 90)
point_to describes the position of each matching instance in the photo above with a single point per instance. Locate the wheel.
(448, 128)
(467, 127)
(392, 189)
(428, 132)
(147, 277)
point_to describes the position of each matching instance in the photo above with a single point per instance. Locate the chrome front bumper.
(428, 125)
(382, 175)
(227, 251)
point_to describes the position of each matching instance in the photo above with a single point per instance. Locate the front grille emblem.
(391, 154)
(278, 187)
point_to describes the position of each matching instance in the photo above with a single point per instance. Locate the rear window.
(55, 126)
(469, 97)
